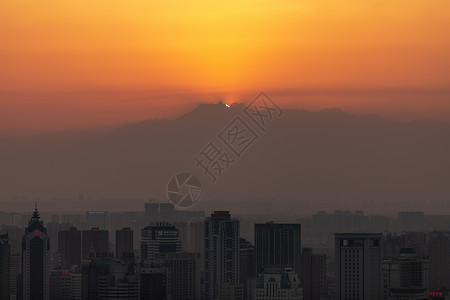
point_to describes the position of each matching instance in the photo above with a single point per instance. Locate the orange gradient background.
(88, 64)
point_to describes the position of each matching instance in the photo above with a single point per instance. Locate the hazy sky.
(81, 64)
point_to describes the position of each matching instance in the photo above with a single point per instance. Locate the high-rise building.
(314, 275)
(52, 232)
(247, 266)
(16, 270)
(5, 266)
(109, 278)
(439, 264)
(276, 283)
(152, 280)
(15, 235)
(221, 252)
(183, 275)
(124, 242)
(69, 248)
(35, 256)
(183, 230)
(118, 283)
(278, 244)
(197, 239)
(405, 277)
(159, 238)
(358, 266)
(95, 241)
(60, 285)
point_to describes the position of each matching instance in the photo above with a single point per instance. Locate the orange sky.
(80, 64)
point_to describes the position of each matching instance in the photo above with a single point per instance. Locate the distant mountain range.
(323, 157)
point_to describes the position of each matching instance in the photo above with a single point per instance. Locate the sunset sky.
(88, 64)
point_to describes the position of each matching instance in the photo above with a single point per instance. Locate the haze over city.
(225, 150)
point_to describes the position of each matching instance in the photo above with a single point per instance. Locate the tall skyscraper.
(152, 280)
(358, 266)
(278, 244)
(124, 242)
(197, 239)
(52, 232)
(16, 270)
(95, 241)
(5, 266)
(36, 259)
(59, 285)
(183, 275)
(69, 248)
(314, 275)
(247, 266)
(439, 265)
(221, 252)
(159, 238)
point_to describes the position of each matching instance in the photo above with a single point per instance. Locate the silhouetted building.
(159, 238)
(60, 285)
(109, 278)
(405, 277)
(52, 232)
(314, 275)
(247, 264)
(124, 242)
(118, 283)
(182, 275)
(197, 239)
(358, 266)
(221, 252)
(15, 274)
(152, 280)
(276, 283)
(278, 244)
(5, 266)
(95, 241)
(36, 259)
(439, 264)
(69, 248)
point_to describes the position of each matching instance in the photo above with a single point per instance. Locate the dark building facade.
(69, 248)
(358, 270)
(124, 242)
(5, 256)
(159, 238)
(95, 241)
(247, 266)
(278, 244)
(221, 252)
(314, 275)
(36, 259)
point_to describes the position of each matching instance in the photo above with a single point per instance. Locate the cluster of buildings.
(186, 256)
